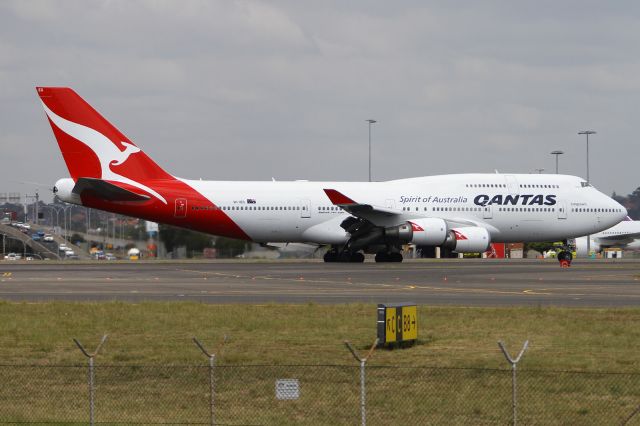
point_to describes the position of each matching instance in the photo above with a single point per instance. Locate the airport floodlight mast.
(370, 121)
(587, 133)
(557, 153)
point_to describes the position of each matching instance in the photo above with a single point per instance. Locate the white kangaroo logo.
(108, 153)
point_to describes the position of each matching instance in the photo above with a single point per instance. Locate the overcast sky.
(244, 90)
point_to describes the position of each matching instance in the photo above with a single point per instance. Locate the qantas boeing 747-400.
(461, 212)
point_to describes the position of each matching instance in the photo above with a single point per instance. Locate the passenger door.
(562, 210)
(305, 211)
(487, 212)
(512, 185)
(181, 208)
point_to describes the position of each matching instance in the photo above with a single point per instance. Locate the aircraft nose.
(625, 213)
(620, 210)
(614, 212)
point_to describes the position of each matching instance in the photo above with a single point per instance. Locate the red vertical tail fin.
(94, 148)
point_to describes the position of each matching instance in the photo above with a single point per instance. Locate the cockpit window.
(585, 184)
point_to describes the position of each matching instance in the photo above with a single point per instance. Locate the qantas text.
(514, 200)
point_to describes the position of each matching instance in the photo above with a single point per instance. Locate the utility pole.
(35, 209)
(557, 154)
(587, 133)
(370, 121)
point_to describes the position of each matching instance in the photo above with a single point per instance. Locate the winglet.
(338, 198)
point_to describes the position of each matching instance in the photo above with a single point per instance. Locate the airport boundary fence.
(312, 394)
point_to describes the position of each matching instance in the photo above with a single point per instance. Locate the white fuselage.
(525, 207)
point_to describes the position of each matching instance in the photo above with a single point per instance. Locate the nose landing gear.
(565, 257)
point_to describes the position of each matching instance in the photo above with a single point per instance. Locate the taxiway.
(588, 283)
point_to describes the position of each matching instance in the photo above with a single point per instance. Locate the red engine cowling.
(468, 240)
(428, 231)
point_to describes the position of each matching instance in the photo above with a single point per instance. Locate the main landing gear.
(334, 255)
(337, 254)
(383, 256)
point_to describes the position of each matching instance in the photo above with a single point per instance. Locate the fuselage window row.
(592, 210)
(254, 208)
(500, 185)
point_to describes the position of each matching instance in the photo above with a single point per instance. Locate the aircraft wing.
(374, 214)
(382, 216)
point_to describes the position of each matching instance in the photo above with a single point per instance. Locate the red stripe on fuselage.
(211, 221)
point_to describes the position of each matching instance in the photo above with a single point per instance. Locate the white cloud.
(250, 90)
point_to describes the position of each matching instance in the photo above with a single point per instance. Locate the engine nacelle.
(473, 239)
(63, 189)
(422, 232)
(428, 231)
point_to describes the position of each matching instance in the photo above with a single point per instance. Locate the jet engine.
(423, 232)
(428, 231)
(468, 240)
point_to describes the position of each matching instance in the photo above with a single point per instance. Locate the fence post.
(363, 393)
(513, 362)
(212, 362)
(91, 356)
(631, 416)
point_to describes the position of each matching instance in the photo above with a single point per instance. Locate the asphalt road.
(466, 282)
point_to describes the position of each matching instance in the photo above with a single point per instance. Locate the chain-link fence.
(314, 395)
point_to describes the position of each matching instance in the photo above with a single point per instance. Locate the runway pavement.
(466, 282)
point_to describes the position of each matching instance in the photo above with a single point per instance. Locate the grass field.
(455, 374)
(160, 333)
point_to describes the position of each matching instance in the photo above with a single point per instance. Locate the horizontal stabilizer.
(105, 190)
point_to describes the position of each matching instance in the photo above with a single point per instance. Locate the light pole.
(57, 210)
(64, 219)
(587, 133)
(557, 153)
(370, 121)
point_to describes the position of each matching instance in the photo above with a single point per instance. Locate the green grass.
(455, 374)
(160, 333)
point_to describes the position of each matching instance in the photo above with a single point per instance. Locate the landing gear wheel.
(382, 256)
(345, 256)
(357, 257)
(330, 256)
(565, 258)
(395, 257)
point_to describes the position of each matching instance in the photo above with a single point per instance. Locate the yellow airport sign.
(397, 323)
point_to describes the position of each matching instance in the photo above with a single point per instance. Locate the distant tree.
(539, 247)
(174, 237)
(229, 247)
(77, 238)
(631, 202)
